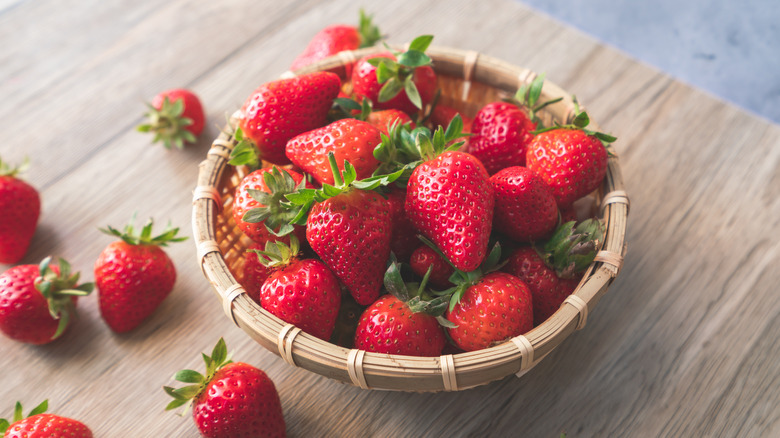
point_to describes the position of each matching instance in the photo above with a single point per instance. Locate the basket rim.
(410, 373)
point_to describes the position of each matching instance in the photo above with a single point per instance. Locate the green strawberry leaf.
(414, 58)
(421, 43)
(369, 32)
(189, 376)
(412, 93)
(385, 71)
(390, 89)
(394, 283)
(40, 409)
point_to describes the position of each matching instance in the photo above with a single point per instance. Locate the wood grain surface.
(685, 343)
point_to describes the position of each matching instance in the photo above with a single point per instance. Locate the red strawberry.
(233, 399)
(254, 273)
(38, 301)
(554, 271)
(40, 425)
(257, 208)
(384, 119)
(21, 207)
(349, 139)
(337, 38)
(572, 160)
(423, 258)
(389, 326)
(278, 111)
(300, 292)
(404, 236)
(525, 207)
(497, 307)
(134, 275)
(175, 117)
(442, 115)
(449, 200)
(405, 82)
(501, 134)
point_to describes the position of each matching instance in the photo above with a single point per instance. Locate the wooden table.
(685, 343)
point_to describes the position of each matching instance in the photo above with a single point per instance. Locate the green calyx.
(129, 236)
(183, 396)
(528, 97)
(415, 295)
(19, 416)
(303, 199)
(168, 124)
(572, 247)
(58, 288)
(8, 170)
(580, 122)
(275, 212)
(245, 152)
(399, 75)
(369, 32)
(277, 253)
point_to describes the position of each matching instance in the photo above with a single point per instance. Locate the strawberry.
(403, 81)
(134, 275)
(348, 225)
(424, 258)
(495, 308)
(300, 292)
(400, 325)
(257, 208)
(449, 199)
(525, 207)
(404, 236)
(38, 424)
(338, 38)
(554, 270)
(442, 115)
(503, 130)
(346, 322)
(571, 159)
(384, 119)
(278, 111)
(349, 139)
(254, 273)
(21, 207)
(175, 117)
(38, 301)
(232, 399)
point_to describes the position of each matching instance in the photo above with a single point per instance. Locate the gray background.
(730, 49)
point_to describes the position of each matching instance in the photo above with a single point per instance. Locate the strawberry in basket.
(337, 38)
(20, 205)
(525, 206)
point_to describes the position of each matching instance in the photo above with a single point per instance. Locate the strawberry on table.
(134, 275)
(175, 117)
(20, 205)
(38, 424)
(571, 159)
(232, 399)
(404, 81)
(401, 323)
(278, 111)
(337, 38)
(525, 206)
(37, 302)
(349, 139)
(303, 292)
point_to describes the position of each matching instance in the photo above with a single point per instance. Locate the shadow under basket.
(467, 81)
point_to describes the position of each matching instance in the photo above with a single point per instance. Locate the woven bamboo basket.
(468, 81)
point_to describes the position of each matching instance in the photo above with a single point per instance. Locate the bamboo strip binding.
(220, 250)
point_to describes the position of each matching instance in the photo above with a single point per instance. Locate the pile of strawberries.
(445, 233)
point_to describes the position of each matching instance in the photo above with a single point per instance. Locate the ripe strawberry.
(349, 139)
(257, 208)
(41, 425)
(449, 200)
(402, 323)
(554, 271)
(403, 81)
(495, 308)
(525, 207)
(337, 38)
(175, 117)
(254, 273)
(346, 322)
(300, 292)
(21, 207)
(425, 257)
(442, 115)
(571, 159)
(38, 301)
(349, 226)
(384, 119)
(233, 399)
(134, 275)
(278, 111)
(404, 236)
